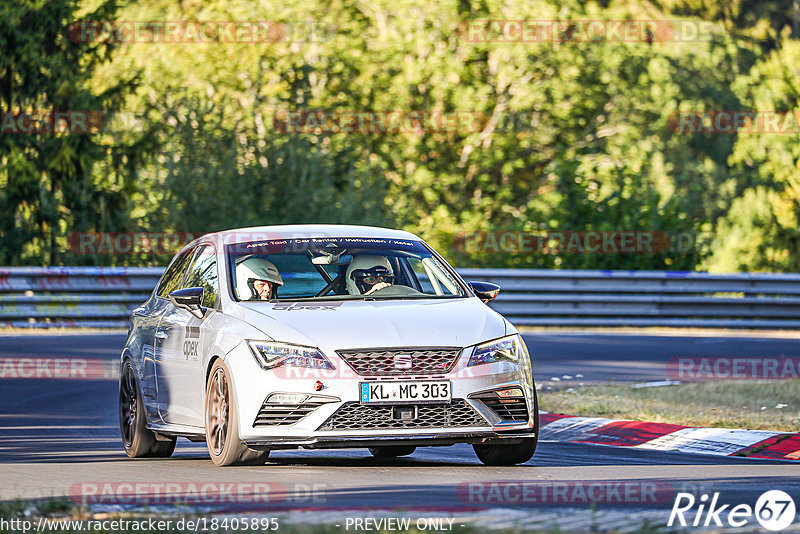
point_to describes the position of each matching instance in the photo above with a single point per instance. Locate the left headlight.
(270, 355)
(507, 349)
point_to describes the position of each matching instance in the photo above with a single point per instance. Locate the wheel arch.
(137, 383)
(125, 358)
(125, 355)
(211, 361)
(207, 376)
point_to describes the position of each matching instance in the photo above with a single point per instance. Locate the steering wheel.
(395, 291)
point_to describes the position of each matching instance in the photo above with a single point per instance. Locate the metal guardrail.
(89, 297)
(102, 297)
(645, 298)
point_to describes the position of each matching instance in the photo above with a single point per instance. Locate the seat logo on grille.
(402, 362)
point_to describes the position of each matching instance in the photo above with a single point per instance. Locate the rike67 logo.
(774, 510)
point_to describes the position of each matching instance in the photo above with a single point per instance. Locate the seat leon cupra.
(322, 337)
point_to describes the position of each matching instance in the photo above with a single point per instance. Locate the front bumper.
(254, 385)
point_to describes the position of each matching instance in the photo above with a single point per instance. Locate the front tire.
(495, 455)
(222, 426)
(392, 451)
(518, 453)
(138, 440)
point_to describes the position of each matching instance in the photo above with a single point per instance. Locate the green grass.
(57, 507)
(722, 404)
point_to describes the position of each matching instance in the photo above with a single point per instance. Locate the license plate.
(386, 392)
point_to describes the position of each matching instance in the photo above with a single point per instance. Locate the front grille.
(509, 409)
(273, 414)
(381, 362)
(357, 416)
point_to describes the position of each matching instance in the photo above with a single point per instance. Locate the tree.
(761, 232)
(49, 188)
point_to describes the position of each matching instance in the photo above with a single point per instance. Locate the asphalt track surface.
(56, 436)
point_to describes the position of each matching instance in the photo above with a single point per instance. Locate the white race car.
(323, 336)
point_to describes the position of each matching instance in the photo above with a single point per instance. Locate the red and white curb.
(667, 437)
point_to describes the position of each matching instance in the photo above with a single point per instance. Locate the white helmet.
(366, 265)
(253, 268)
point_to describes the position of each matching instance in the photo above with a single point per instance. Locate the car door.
(149, 320)
(183, 338)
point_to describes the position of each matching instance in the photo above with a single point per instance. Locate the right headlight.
(507, 349)
(270, 355)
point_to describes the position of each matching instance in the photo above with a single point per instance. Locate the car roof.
(288, 231)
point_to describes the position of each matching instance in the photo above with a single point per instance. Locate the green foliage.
(48, 187)
(755, 20)
(761, 232)
(570, 136)
(216, 178)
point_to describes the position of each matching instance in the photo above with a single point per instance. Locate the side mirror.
(486, 291)
(189, 299)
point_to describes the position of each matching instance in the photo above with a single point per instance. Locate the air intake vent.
(356, 416)
(274, 414)
(507, 409)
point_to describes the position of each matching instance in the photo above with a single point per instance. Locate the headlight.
(507, 349)
(271, 355)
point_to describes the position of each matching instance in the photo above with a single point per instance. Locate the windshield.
(339, 268)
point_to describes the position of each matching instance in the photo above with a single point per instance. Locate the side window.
(422, 276)
(432, 277)
(174, 276)
(203, 273)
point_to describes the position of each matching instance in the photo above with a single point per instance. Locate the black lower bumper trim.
(342, 442)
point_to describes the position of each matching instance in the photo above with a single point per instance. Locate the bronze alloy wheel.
(222, 427)
(217, 411)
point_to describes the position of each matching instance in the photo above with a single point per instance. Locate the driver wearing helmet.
(257, 279)
(368, 273)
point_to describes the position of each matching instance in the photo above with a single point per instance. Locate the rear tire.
(138, 440)
(392, 451)
(222, 423)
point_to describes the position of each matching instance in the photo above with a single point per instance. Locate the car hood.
(332, 325)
